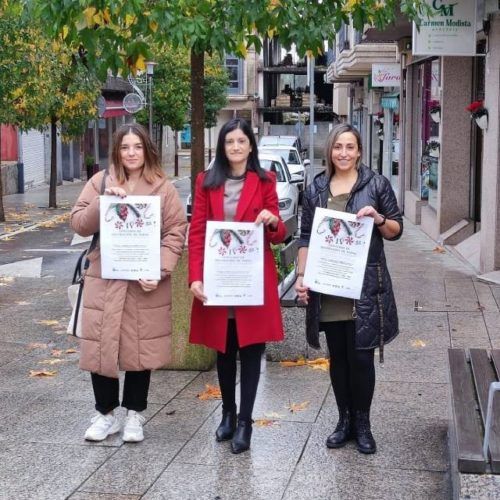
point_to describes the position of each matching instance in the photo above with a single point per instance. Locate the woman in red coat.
(236, 189)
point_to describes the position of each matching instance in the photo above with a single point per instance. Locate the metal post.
(310, 175)
(150, 77)
(494, 387)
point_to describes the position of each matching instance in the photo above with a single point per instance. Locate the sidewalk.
(441, 304)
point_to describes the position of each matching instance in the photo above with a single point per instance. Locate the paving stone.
(102, 496)
(279, 445)
(485, 297)
(198, 384)
(202, 482)
(483, 486)
(46, 471)
(468, 330)
(133, 468)
(166, 384)
(354, 482)
(11, 351)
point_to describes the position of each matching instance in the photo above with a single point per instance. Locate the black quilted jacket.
(376, 314)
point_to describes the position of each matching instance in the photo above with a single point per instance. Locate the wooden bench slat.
(291, 224)
(484, 375)
(495, 357)
(288, 254)
(467, 430)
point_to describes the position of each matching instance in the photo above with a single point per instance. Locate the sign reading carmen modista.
(450, 32)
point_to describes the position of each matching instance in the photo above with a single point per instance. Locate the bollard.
(20, 178)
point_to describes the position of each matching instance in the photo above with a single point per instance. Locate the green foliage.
(215, 89)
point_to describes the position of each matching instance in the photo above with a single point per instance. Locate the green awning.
(390, 101)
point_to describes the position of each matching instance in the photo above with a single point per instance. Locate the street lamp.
(150, 68)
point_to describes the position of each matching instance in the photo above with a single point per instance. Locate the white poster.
(233, 273)
(450, 32)
(386, 75)
(337, 253)
(130, 237)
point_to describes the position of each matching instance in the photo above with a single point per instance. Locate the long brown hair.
(339, 129)
(152, 166)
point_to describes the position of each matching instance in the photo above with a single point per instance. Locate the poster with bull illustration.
(338, 252)
(233, 272)
(130, 237)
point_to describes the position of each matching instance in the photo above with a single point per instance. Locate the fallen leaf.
(22, 303)
(418, 343)
(70, 351)
(319, 364)
(295, 407)
(439, 249)
(51, 361)
(172, 412)
(37, 345)
(265, 422)
(8, 238)
(210, 392)
(56, 352)
(48, 322)
(6, 280)
(43, 373)
(290, 363)
(274, 415)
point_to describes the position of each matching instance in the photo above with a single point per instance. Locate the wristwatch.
(384, 218)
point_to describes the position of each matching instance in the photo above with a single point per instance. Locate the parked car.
(287, 190)
(292, 158)
(283, 140)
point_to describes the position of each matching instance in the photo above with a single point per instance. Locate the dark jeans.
(250, 373)
(352, 371)
(135, 391)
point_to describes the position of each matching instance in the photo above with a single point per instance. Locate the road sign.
(132, 103)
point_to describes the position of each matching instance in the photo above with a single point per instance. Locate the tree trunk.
(197, 116)
(53, 163)
(2, 212)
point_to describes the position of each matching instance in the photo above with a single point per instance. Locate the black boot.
(342, 432)
(242, 436)
(364, 438)
(227, 426)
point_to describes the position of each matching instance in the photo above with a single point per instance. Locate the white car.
(292, 158)
(286, 188)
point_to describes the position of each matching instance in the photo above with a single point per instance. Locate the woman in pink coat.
(126, 324)
(236, 189)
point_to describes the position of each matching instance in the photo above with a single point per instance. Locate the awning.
(390, 101)
(114, 108)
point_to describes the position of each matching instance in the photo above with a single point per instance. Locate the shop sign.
(386, 75)
(450, 32)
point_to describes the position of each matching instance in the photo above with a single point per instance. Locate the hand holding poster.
(337, 253)
(233, 272)
(130, 237)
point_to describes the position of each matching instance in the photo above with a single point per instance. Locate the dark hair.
(217, 175)
(152, 166)
(339, 129)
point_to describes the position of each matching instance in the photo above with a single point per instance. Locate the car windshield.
(274, 166)
(289, 155)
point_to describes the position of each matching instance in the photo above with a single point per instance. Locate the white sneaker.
(102, 426)
(132, 431)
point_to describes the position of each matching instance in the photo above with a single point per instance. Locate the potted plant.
(433, 148)
(435, 111)
(380, 117)
(479, 113)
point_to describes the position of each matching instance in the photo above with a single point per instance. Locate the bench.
(288, 256)
(474, 382)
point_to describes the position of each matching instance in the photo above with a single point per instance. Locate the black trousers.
(352, 371)
(250, 357)
(135, 391)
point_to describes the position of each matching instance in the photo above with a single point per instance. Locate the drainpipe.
(20, 164)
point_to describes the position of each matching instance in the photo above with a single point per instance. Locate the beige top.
(336, 308)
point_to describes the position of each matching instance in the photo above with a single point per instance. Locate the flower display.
(479, 113)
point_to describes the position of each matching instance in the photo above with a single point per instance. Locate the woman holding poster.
(235, 189)
(353, 328)
(126, 324)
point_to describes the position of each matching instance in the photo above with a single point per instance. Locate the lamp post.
(150, 67)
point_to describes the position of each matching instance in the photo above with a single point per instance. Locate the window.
(234, 67)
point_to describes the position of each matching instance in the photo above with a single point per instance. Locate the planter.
(436, 116)
(434, 152)
(482, 121)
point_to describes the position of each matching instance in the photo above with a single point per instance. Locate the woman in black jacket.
(353, 328)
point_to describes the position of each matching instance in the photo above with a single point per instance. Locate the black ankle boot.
(364, 438)
(227, 426)
(343, 432)
(242, 436)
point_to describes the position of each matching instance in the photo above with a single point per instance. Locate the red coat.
(254, 324)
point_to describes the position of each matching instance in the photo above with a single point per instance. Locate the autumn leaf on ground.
(439, 249)
(6, 280)
(295, 407)
(319, 364)
(48, 322)
(51, 361)
(265, 422)
(37, 345)
(8, 238)
(43, 373)
(22, 303)
(210, 392)
(418, 343)
(274, 415)
(70, 351)
(289, 363)
(56, 352)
